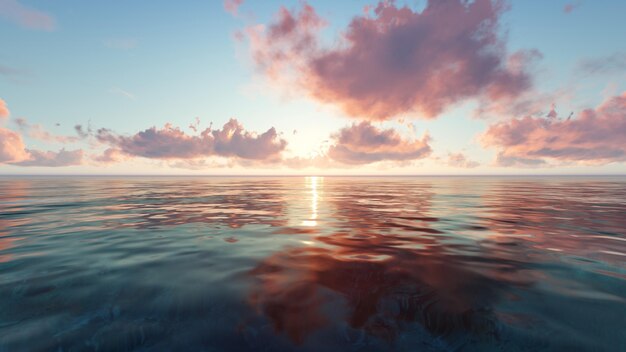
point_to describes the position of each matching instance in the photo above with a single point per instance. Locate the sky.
(243, 87)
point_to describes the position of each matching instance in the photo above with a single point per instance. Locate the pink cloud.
(397, 61)
(284, 47)
(460, 160)
(26, 17)
(232, 6)
(4, 110)
(363, 144)
(12, 147)
(53, 159)
(569, 7)
(14, 152)
(37, 131)
(595, 136)
(110, 156)
(232, 140)
(167, 143)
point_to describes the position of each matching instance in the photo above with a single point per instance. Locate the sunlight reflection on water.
(315, 263)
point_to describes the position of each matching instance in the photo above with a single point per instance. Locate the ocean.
(312, 263)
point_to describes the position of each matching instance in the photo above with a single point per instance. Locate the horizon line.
(313, 175)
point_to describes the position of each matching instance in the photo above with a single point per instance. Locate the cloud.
(285, 46)
(363, 144)
(398, 60)
(26, 17)
(167, 143)
(12, 147)
(53, 159)
(110, 156)
(460, 160)
(170, 142)
(233, 140)
(530, 102)
(14, 152)
(569, 7)
(232, 6)
(38, 132)
(595, 136)
(82, 132)
(513, 161)
(4, 110)
(615, 62)
(11, 73)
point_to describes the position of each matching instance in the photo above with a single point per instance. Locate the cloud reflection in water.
(367, 264)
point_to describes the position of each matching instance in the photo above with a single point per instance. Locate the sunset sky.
(319, 87)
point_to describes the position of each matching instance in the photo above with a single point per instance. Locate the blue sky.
(128, 66)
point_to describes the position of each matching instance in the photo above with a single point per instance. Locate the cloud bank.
(595, 136)
(170, 142)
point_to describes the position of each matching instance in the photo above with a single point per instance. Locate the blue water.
(312, 264)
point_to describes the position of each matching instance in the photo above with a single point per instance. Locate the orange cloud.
(596, 136)
(14, 152)
(12, 147)
(4, 110)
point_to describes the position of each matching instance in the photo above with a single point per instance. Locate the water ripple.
(309, 264)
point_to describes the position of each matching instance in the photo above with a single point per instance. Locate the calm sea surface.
(313, 264)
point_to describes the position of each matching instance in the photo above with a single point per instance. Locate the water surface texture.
(312, 264)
